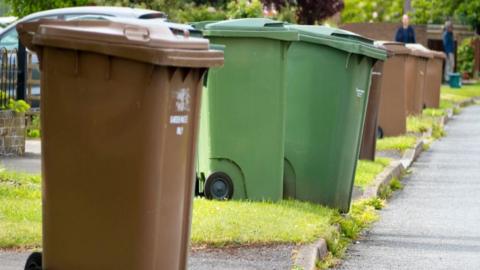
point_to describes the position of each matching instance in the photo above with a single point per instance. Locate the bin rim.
(397, 48)
(389, 52)
(151, 43)
(322, 30)
(438, 54)
(250, 27)
(341, 43)
(201, 24)
(419, 50)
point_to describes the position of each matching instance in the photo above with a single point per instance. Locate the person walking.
(405, 33)
(448, 47)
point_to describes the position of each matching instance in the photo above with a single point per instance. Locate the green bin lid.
(201, 25)
(251, 27)
(339, 39)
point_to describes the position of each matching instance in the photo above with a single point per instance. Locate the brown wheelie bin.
(370, 127)
(120, 103)
(392, 113)
(433, 80)
(415, 78)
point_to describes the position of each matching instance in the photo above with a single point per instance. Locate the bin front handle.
(26, 32)
(348, 60)
(137, 33)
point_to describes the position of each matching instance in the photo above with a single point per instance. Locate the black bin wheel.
(34, 261)
(379, 133)
(219, 186)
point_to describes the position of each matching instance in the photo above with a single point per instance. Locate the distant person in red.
(405, 33)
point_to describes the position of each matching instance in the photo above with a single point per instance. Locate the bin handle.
(137, 33)
(26, 32)
(348, 60)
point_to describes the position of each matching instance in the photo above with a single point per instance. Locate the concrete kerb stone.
(308, 255)
(412, 154)
(395, 169)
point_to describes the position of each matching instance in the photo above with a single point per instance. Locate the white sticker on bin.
(360, 92)
(178, 119)
(183, 100)
(179, 130)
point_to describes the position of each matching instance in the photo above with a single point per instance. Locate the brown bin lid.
(145, 41)
(396, 48)
(390, 53)
(438, 54)
(419, 50)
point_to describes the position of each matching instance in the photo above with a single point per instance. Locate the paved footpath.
(29, 163)
(434, 223)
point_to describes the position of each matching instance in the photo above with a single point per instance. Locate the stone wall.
(12, 133)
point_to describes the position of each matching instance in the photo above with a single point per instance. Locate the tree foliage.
(433, 11)
(438, 11)
(195, 13)
(245, 9)
(466, 56)
(22, 8)
(372, 11)
(469, 11)
(309, 11)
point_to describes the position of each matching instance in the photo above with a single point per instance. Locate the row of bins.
(283, 118)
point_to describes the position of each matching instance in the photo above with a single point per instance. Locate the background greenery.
(302, 11)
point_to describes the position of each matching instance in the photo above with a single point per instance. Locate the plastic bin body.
(242, 121)
(369, 138)
(415, 78)
(433, 80)
(119, 128)
(392, 119)
(327, 91)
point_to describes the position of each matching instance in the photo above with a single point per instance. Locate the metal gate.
(13, 68)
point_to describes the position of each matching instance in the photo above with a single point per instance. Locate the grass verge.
(424, 123)
(367, 170)
(467, 91)
(362, 215)
(220, 223)
(20, 210)
(399, 143)
(215, 223)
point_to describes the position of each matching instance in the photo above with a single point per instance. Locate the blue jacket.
(448, 42)
(405, 35)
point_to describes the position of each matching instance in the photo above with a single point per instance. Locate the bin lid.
(141, 40)
(339, 39)
(389, 52)
(201, 24)
(397, 48)
(419, 50)
(251, 27)
(438, 54)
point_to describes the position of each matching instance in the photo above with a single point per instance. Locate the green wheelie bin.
(242, 125)
(328, 82)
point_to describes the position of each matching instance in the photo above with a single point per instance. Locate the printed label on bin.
(360, 92)
(182, 105)
(179, 120)
(183, 100)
